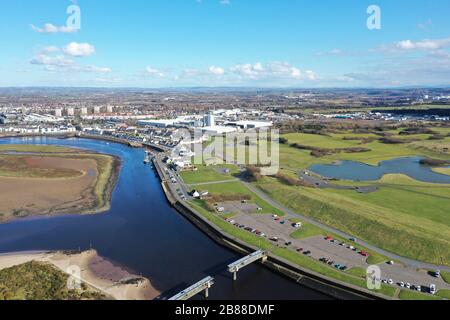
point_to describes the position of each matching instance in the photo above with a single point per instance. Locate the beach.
(96, 272)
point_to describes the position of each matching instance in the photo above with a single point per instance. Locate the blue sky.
(268, 43)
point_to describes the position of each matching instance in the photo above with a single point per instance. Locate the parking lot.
(319, 247)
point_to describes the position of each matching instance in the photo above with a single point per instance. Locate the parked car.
(307, 253)
(299, 249)
(432, 288)
(274, 239)
(437, 273)
(419, 288)
(390, 281)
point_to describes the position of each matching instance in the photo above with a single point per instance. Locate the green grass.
(16, 166)
(209, 174)
(307, 230)
(35, 148)
(414, 295)
(287, 254)
(445, 276)
(103, 187)
(40, 281)
(357, 272)
(442, 170)
(444, 294)
(410, 220)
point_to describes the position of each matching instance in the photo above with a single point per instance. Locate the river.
(144, 234)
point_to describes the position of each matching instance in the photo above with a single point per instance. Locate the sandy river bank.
(95, 271)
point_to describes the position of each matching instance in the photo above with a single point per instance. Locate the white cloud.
(43, 59)
(75, 49)
(427, 44)
(218, 71)
(50, 49)
(272, 71)
(61, 63)
(50, 28)
(152, 72)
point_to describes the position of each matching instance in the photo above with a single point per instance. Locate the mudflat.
(41, 183)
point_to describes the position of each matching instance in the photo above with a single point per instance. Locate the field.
(42, 180)
(404, 216)
(209, 174)
(442, 170)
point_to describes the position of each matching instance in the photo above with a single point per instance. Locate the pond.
(358, 171)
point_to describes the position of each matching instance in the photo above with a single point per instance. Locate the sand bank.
(96, 272)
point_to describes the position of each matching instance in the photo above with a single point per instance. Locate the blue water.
(143, 233)
(357, 171)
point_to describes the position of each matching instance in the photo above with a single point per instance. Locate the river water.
(144, 234)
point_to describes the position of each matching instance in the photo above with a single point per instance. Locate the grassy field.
(405, 216)
(414, 295)
(237, 187)
(40, 281)
(209, 174)
(446, 276)
(442, 170)
(444, 294)
(19, 167)
(35, 148)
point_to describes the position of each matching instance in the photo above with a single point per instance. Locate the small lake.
(358, 171)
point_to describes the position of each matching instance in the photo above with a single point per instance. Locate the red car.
(329, 238)
(364, 254)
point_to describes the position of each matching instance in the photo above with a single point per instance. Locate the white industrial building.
(248, 124)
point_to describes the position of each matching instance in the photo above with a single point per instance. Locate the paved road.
(406, 261)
